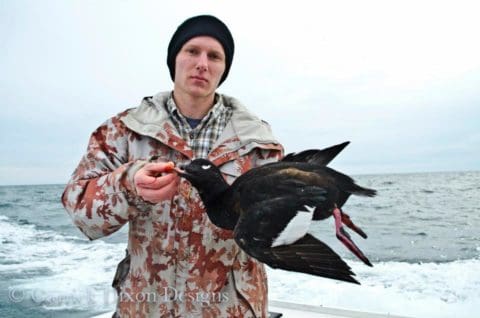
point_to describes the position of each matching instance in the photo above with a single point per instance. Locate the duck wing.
(278, 215)
(311, 256)
(307, 255)
(316, 156)
(275, 216)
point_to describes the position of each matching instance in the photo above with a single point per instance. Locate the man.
(179, 264)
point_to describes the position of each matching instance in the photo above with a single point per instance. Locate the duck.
(270, 210)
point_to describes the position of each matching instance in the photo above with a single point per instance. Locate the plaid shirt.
(203, 136)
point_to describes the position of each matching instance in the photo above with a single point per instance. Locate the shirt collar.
(213, 113)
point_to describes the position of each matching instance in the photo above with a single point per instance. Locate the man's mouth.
(199, 78)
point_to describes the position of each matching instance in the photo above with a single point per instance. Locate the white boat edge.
(294, 310)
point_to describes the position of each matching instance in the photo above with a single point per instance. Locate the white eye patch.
(206, 167)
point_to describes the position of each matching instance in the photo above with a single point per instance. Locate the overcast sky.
(399, 79)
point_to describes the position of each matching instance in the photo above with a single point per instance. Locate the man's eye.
(192, 51)
(215, 57)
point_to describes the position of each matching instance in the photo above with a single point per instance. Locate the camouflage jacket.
(181, 265)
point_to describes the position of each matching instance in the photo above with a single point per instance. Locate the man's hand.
(156, 182)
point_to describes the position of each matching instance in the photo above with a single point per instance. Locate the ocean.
(424, 243)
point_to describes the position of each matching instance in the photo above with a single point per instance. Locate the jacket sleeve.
(100, 196)
(264, 156)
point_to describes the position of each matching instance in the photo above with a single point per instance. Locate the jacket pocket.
(122, 271)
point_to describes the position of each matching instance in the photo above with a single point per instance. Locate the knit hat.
(197, 26)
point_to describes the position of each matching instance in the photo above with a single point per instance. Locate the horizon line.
(353, 175)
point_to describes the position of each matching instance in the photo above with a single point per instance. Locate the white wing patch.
(206, 167)
(296, 228)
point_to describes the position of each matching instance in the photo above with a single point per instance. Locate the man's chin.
(200, 92)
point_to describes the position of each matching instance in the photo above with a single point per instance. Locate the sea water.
(423, 240)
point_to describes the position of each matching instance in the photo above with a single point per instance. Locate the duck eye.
(206, 167)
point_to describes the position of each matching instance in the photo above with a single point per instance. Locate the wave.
(57, 271)
(6, 205)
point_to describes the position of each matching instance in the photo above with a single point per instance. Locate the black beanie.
(197, 26)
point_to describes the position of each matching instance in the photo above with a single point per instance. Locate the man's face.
(199, 66)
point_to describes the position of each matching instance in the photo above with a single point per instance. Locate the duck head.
(205, 177)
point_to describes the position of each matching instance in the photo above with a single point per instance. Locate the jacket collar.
(243, 131)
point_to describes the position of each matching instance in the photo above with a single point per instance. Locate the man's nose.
(202, 62)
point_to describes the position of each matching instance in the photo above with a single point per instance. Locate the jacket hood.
(150, 116)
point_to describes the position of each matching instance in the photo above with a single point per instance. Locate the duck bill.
(180, 171)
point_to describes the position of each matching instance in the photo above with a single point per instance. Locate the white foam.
(73, 273)
(415, 290)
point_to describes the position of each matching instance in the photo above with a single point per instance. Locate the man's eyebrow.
(209, 49)
(217, 51)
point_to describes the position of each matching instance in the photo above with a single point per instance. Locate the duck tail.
(347, 184)
(316, 156)
(358, 190)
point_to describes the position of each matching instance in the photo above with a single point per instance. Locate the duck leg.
(344, 237)
(348, 222)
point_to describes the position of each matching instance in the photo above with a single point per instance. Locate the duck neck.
(219, 210)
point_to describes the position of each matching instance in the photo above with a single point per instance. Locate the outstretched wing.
(312, 256)
(265, 231)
